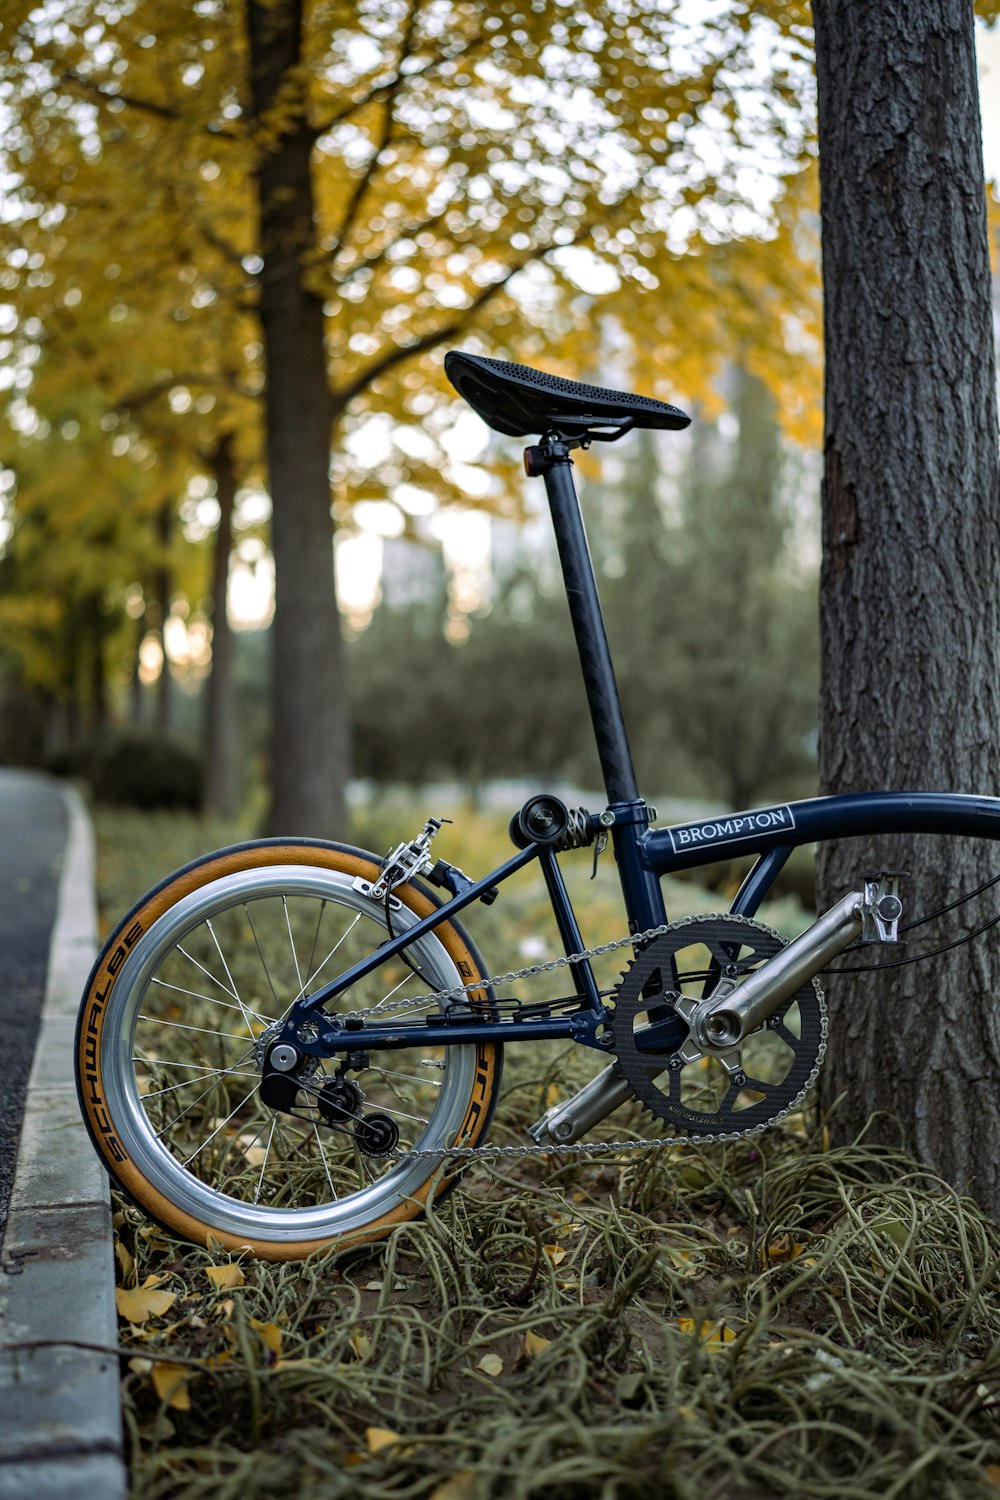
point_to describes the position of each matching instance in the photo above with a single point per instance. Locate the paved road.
(32, 841)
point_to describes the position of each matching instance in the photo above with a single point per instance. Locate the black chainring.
(789, 1048)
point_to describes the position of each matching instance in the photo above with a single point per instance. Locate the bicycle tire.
(132, 1004)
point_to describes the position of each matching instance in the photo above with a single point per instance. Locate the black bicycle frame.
(643, 854)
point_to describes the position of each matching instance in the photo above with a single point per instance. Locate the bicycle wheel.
(169, 1051)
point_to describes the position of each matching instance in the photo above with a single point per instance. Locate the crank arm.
(719, 1023)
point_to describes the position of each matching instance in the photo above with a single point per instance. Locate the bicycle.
(286, 1131)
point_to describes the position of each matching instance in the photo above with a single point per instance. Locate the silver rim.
(181, 1057)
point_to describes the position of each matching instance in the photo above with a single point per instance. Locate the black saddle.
(522, 402)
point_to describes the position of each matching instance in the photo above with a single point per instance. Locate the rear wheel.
(178, 1015)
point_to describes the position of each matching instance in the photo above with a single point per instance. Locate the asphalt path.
(32, 843)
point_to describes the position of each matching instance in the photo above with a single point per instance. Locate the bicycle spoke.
(312, 951)
(159, 1062)
(326, 1164)
(186, 1111)
(414, 1078)
(263, 960)
(291, 940)
(202, 1030)
(239, 1001)
(209, 999)
(328, 957)
(263, 1165)
(386, 998)
(221, 1126)
(186, 1083)
(207, 972)
(387, 1109)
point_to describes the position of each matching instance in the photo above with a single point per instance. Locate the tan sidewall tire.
(109, 967)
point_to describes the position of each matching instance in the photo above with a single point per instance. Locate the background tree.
(742, 673)
(910, 609)
(391, 177)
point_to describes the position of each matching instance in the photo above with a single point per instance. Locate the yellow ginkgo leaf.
(784, 1248)
(686, 1262)
(269, 1334)
(491, 1364)
(126, 1260)
(712, 1336)
(136, 1304)
(225, 1276)
(457, 1486)
(555, 1253)
(361, 1344)
(170, 1382)
(534, 1344)
(378, 1438)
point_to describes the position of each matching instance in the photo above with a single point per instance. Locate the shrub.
(148, 771)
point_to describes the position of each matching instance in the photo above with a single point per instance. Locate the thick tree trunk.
(910, 603)
(310, 734)
(221, 771)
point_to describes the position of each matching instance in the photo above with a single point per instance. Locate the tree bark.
(309, 747)
(910, 605)
(221, 770)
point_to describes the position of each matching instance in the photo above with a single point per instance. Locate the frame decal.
(733, 829)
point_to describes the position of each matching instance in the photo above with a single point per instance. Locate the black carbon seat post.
(552, 462)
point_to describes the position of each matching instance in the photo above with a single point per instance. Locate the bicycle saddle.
(523, 402)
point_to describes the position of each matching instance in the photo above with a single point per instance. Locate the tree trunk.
(910, 605)
(163, 588)
(221, 771)
(135, 688)
(310, 735)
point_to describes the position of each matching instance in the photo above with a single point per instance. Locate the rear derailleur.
(337, 1101)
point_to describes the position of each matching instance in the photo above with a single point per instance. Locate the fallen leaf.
(378, 1438)
(225, 1276)
(686, 1262)
(555, 1253)
(784, 1248)
(136, 1304)
(711, 1336)
(491, 1364)
(534, 1344)
(269, 1334)
(458, 1487)
(126, 1260)
(170, 1382)
(361, 1344)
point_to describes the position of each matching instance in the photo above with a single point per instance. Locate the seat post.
(551, 460)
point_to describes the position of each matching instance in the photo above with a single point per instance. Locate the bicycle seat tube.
(553, 461)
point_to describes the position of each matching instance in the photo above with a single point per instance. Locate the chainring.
(761, 1080)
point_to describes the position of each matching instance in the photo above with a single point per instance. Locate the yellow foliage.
(142, 1302)
(225, 1276)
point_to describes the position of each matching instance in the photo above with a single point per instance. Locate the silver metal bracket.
(367, 888)
(403, 862)
(881, 907)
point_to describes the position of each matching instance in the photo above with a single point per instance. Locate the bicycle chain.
(591, 1148)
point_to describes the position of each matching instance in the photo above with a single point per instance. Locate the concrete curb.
(61, 1432)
